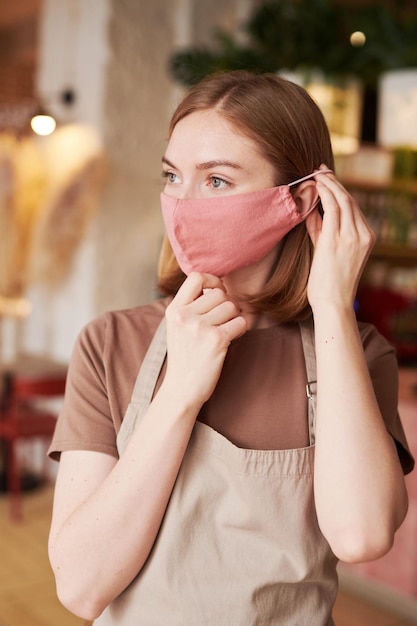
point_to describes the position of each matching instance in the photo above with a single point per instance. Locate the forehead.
(208, 135)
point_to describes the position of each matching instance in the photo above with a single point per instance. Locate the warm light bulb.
(358, 39)
(43, 124)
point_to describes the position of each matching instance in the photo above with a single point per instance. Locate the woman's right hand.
(202, 320)
(96, 494)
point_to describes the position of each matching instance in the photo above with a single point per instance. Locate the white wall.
(114, 54)
(73, 53)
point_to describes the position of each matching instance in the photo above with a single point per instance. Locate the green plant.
(307, 34)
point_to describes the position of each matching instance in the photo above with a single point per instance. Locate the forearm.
(104, 543)
(107, 515)
(359, 487)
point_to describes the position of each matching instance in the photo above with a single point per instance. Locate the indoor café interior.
(87, 90)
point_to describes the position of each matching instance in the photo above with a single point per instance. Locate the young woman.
(260, 442)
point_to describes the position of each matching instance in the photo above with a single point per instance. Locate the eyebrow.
(208, 164)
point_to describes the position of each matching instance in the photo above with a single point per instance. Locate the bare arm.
(106, 512)
(359, 486)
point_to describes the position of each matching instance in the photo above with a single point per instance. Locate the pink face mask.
(220, 235)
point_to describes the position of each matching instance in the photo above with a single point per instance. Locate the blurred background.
(87, 88)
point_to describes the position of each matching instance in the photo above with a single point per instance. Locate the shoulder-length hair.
(292, 135)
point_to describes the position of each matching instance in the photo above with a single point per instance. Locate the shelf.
(391, 210)
(395, 186)
(396, 254)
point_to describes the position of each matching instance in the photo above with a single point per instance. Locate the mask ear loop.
(300, 180)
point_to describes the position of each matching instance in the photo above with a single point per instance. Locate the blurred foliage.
(307, 34)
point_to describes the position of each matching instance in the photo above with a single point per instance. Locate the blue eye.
(170, 177)
(218, 183)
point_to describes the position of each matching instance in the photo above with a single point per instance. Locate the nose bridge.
(181, 191)
(187, 190)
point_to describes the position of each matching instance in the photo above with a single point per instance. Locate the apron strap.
(307, 337)
(144, 386)
(151, 367)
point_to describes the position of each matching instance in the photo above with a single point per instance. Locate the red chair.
(22, 417)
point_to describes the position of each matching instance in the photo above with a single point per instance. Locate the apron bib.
(239, 544)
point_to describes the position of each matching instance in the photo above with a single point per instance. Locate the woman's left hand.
(342, 242)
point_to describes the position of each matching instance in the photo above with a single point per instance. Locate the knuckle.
(215, 295)
(176, 315)
(369, 238)
(372, 236)
(219, 293)
(230, 308)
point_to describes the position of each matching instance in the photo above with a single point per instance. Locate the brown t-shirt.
(259, 402)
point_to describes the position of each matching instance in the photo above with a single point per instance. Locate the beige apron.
(239, 544)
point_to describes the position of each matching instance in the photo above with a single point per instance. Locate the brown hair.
(292, 134)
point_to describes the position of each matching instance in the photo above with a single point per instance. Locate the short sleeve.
(85, 421)
(383, 368)
(106, 359)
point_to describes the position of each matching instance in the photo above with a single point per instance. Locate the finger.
(234, 328)
(340, 192)
(208, 300)
(352, 220)
(194, 285)
(314, 224)
(329, 180)
(221, 313)
(325, 174)
(331, 208)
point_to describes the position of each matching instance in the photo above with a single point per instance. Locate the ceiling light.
(43, 124)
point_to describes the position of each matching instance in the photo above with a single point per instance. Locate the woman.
(213, 506)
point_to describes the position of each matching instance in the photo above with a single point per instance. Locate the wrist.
(334, 320)
(178, 399)
(333, 309)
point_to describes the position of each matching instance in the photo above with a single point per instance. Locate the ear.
(306, 196)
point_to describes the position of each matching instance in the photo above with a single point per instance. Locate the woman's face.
(207, 156)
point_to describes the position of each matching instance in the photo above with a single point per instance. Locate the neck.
(239, 291)
(250, 281)
(257, 320)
